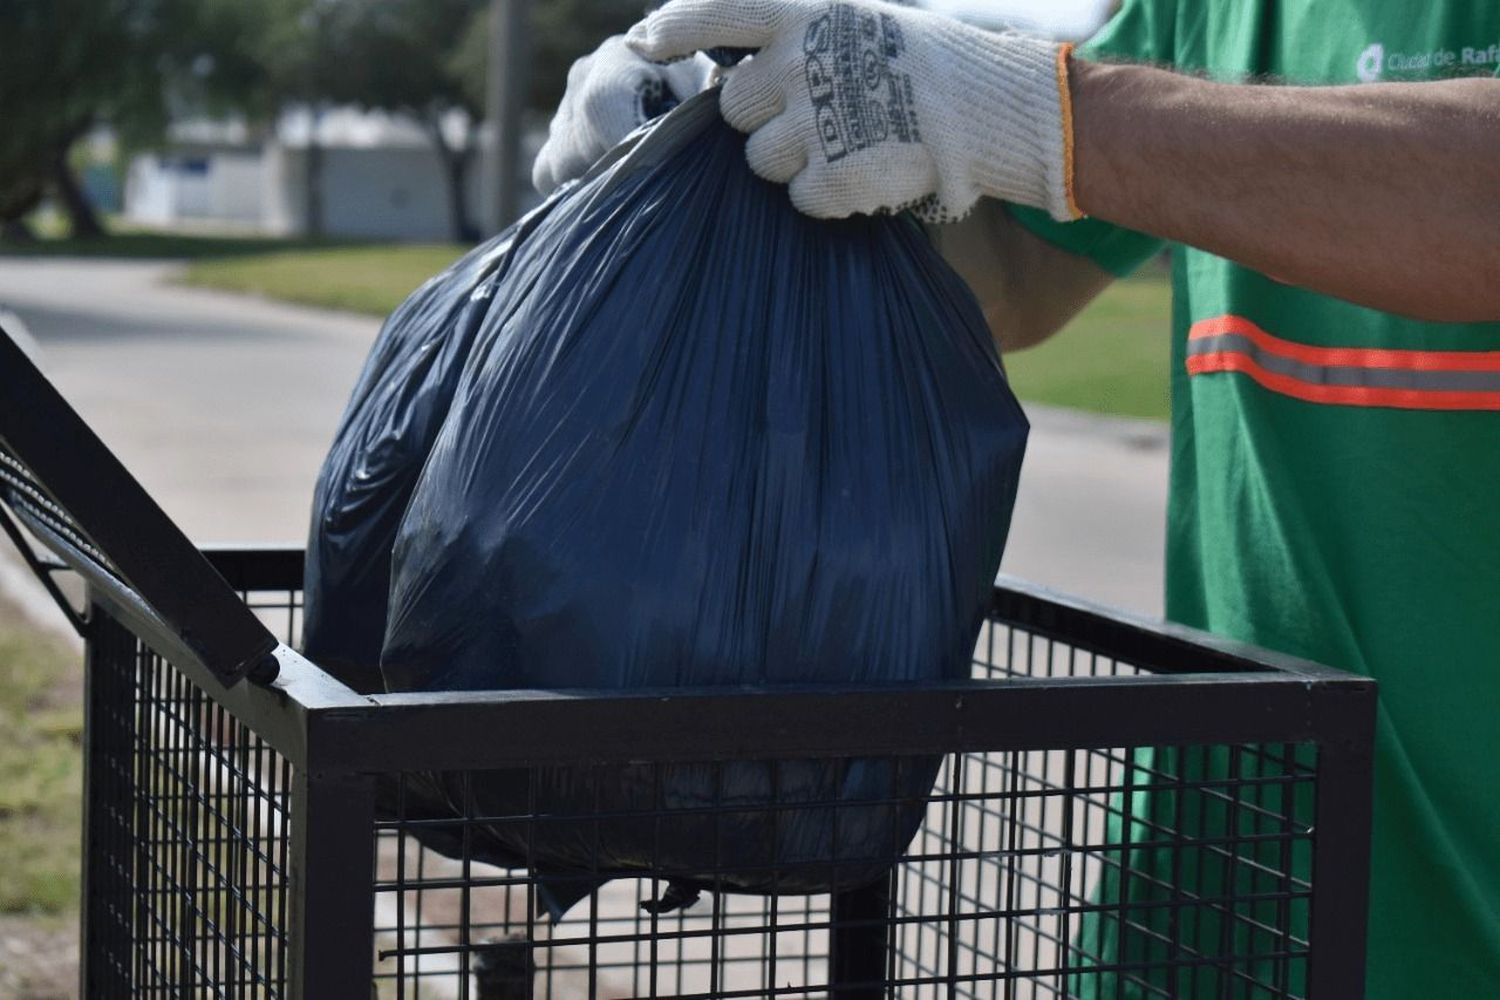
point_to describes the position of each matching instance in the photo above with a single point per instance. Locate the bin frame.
(1207, 690)
(69, 505)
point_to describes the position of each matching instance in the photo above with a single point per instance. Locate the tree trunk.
(16, 231)
(464, 230)
(18, 197)
(83, 221)
(456, 163)
(312, 178)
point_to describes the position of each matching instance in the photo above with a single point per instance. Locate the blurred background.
(206, 206)
(408, 120)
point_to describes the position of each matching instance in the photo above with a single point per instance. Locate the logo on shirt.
(1375, 63)
(1371, 63)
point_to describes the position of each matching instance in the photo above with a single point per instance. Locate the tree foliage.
(69, 65)
(430, 58)
(52, 84)
(564, 30)
(401, 55)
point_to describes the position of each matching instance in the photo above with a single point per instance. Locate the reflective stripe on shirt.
(1346, 376)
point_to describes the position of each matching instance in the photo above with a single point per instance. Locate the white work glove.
(864, 106)
(610, 94)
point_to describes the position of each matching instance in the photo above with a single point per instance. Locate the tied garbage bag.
(702, 440)
(398, 406)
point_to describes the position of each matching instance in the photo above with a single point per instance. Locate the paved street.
(1091, 517)
(223, 407)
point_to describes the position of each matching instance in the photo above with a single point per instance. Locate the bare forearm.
(1387, 195)
(1027, 287)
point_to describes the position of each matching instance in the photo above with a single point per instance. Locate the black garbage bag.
(702, 440)
(398, 406)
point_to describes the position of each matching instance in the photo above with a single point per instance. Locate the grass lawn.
(1114, 358)
(367, 279)
(41, 723)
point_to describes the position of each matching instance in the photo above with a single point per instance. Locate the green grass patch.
(1115, 358)
(367, 279)
(41, 726)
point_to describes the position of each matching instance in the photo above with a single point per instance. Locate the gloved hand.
(610, 94)
(865, 106)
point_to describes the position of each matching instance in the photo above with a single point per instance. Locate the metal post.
(108, 947)
(1341, 855)
(332, 879)
(857, 957)
(509, 81)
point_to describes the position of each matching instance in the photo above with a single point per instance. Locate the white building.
(381, 178)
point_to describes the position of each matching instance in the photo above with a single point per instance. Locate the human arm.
(1384, 195)
(1027, 287)
(1388, 196)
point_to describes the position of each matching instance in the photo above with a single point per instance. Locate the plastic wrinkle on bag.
(699, 440)
(398, 406)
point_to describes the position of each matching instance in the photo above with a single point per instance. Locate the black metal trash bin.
(1125, 809)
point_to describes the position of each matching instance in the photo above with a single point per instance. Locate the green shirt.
(1335, 474)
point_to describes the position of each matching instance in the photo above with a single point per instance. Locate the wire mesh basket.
(1121, 809)
(1104, 824)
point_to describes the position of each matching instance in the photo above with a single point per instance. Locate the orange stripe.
(1065, 93)
(1348, 357)
(1405, 399)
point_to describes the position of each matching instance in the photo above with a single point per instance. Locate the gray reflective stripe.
(1348, 377)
